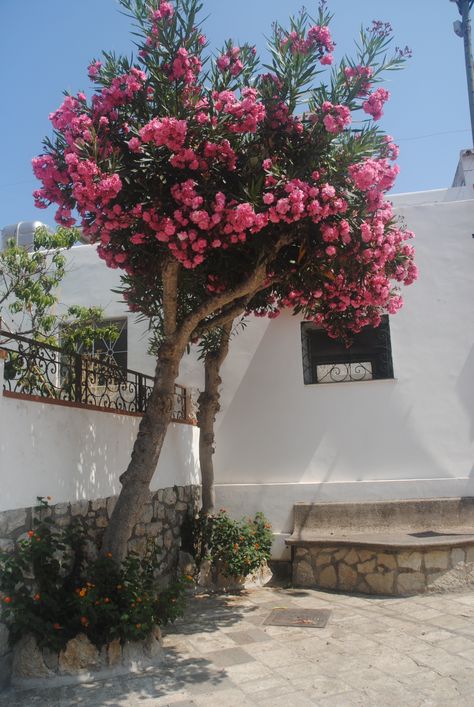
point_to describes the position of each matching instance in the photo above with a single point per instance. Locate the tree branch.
(170, 296)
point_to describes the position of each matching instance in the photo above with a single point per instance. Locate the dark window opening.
(327, 360)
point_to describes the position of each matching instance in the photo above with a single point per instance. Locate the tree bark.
(154, 424)
(208, 408)
(146, 452)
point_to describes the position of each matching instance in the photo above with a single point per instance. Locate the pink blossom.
(134, 144)
(374, 104)
(169, 132)
(336, 117)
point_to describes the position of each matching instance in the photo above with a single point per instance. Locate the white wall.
(279, 441)
(71, 454)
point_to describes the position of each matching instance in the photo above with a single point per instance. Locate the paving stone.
(229, 698)
(251, 636)
(405, 652)
(229, 656)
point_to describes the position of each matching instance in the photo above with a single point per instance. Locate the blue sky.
(46, 45)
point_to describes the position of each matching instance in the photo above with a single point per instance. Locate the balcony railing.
(37, 369)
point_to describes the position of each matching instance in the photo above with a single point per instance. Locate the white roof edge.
(433, 196)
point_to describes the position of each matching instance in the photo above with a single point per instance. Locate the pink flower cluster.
(318, 40)
(185, 67)
(247, 113)
(230, 61)
(391, 150)
(121, 91)
(374, 176)
(277, 111)
(374, 104)
(94, 69)
(222, 152)
(358, 285)
(164, 12)
(336, 117)
(359, 75)
(169, 132)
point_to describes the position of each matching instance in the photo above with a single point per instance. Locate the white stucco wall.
(71, 454)
(279, 441)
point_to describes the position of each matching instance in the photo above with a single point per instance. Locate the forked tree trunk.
(208, 408)
(146, 451)
(154, 424)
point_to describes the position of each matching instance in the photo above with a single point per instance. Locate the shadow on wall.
(276, 429)
(72, 454)
(465, 387)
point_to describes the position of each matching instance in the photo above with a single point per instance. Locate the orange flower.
(189, 577)
(106, 600)
(257, 546)
(84, 621)
(57, 626)
(108, 554)
(37, 597)
(7, 600)
(31, 533)
(48, 498)
(138, 625)
(82, 592)
(236, 547)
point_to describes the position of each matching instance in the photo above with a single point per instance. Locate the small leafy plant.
(236, 547)
(50, 590)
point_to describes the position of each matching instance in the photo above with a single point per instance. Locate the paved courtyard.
(374, 651)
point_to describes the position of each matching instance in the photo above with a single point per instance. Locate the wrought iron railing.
(38, 369)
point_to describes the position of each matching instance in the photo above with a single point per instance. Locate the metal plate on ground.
(302, 618)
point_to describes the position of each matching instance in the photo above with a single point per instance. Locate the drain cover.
(303, 618)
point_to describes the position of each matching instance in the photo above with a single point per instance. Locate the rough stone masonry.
(161, 519)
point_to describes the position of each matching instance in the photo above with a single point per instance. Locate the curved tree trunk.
(208, 409)
(154, 424)
(146, 451)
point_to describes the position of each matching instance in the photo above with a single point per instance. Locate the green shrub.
(50, 590)
(235, 547)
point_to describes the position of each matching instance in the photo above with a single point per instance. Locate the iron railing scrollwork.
(41, 370)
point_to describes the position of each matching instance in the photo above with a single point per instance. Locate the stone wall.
(380, 571)
(161, 518)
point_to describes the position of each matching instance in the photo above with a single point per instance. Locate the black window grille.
(327, 360)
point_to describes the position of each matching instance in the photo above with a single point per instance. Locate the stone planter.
(80, 661)
(213, 579)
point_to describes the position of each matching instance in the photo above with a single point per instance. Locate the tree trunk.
(146, 452)
(208, 409)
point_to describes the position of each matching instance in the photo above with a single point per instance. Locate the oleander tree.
(220, 186)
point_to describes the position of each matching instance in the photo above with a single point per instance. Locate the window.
(327, 360)
(112, 352)
(102, 365)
